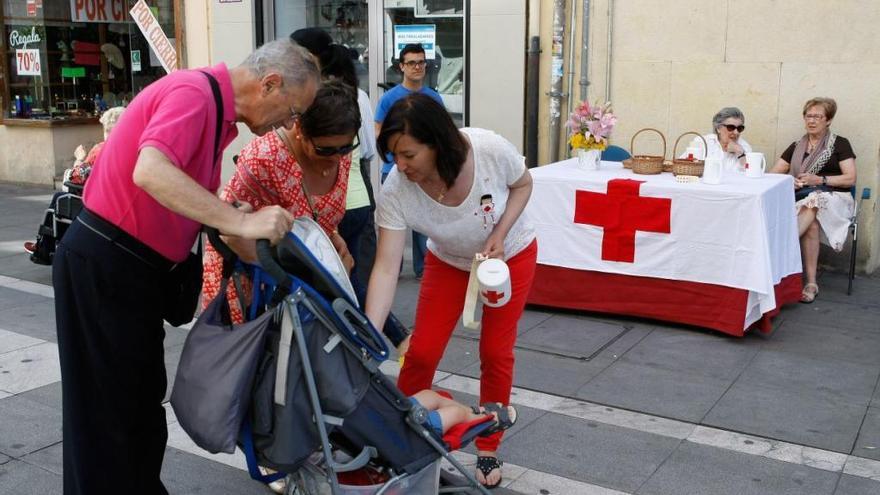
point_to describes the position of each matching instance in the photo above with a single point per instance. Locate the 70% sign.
(27, 62)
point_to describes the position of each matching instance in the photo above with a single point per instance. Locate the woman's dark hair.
(335, 111)
(336, 62)
(335, 59)
(313, 39)
(421, 117)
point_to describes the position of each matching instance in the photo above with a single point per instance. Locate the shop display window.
(69, 59)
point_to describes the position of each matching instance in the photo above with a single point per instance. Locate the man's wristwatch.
(824, 180)
(740, 156)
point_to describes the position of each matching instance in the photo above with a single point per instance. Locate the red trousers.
(441, 300)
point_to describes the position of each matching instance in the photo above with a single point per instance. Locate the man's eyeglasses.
(336, 150)
(412, 64)
(731, 127)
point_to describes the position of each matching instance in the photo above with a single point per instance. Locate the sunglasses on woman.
(336, 150)
(731, 127)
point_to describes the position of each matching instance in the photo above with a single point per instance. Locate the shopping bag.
(212, 388)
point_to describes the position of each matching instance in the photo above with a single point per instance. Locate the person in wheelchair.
(65, 204)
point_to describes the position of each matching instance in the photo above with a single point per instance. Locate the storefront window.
(439, 26)
(72, 58)
(345, 20)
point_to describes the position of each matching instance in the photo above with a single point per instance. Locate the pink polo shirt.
(177, 116)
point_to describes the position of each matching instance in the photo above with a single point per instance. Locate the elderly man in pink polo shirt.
(149, 193)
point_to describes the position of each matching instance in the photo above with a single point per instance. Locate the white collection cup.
(494, 278)
(756, 165)
(712, 171)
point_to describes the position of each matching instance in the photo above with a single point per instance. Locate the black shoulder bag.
(184, 281)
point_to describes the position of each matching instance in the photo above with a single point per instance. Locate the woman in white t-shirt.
(466, 190)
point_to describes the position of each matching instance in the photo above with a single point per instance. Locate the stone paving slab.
(27, 426)
(21, 478)
(696, 469)
(595, 453)
(824, 379)
(788, 415)
(868, 442)
(853, 485)
(30, 367)
(35, 319)
(673, 394)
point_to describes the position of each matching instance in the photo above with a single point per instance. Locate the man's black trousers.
(108, 309)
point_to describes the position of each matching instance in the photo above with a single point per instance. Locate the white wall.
(497, 62)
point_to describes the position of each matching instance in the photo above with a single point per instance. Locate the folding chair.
(614, 154)
(854, 231)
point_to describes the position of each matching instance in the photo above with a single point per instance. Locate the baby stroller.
(321, 412)
(62, 211)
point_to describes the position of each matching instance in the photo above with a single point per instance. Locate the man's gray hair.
(724, 114)
(284, 56)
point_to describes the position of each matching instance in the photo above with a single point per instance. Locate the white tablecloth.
(741, 233)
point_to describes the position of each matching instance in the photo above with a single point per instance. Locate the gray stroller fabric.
(215, 376)
(285, 435)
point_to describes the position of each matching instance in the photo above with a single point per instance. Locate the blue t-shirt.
(388, 100)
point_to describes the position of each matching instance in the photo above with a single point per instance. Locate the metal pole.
(571, 30)
(608, 54)
(556, 70)
(585, 44)
(532, 82)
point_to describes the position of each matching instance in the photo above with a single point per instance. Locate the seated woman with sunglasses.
(303, 169)
(725, 143)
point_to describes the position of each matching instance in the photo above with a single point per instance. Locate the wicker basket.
(682, 166)
(646, 164)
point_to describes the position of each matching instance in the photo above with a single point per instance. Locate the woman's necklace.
(302, 182)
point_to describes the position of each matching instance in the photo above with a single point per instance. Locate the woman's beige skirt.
(834, 212)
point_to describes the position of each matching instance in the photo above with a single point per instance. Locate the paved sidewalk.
(607, 405)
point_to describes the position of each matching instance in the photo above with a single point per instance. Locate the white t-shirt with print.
(456, 233)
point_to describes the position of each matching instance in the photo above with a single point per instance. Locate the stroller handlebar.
(267, 261)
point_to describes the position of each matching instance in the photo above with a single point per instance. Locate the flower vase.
(588, 159)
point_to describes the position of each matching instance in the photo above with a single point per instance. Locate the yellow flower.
(578, 141)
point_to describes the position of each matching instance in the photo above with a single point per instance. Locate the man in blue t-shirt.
(413, 63)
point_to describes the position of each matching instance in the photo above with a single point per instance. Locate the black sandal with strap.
(486, 464)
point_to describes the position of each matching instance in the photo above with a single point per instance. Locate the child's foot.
(505, 417)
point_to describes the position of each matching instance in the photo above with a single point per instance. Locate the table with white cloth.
(724, 257)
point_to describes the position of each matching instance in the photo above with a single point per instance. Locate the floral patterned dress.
(268, 174)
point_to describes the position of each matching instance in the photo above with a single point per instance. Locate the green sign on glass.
(73, 72)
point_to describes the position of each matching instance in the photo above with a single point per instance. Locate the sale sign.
(27, 62)
(152, 31)
(97, 10)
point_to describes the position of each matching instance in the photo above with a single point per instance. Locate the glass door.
(439, 25)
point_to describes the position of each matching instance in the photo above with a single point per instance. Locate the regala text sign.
(18, 40)
(151, 30)
(97, 10)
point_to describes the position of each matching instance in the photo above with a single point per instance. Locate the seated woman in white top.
(725, 143)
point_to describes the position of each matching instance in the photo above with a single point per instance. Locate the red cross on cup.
(621, 212)
(493, 297)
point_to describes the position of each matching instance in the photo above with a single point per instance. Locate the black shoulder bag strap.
(218, 103)
(225, 253)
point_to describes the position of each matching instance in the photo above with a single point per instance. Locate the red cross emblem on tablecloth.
(493, 297)
(620, 213)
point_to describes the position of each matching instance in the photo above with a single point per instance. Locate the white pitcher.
(756, 165)
(713, 171)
